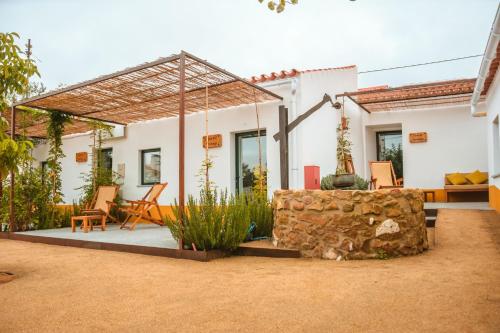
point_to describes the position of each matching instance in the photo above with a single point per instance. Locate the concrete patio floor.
(150, 235)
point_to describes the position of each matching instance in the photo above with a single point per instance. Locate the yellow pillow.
(477, 177)
(457, 179)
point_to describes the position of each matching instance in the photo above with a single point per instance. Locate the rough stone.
(298, 205)
(393, 212)
(331, 225)
(387, 227)
(331, 206)
(368, 208)
(317, 206)
(348, 207)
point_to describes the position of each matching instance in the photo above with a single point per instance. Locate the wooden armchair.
(99, 208)
(141, 209)
(383, 176)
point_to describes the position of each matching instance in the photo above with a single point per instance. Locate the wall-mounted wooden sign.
(82, 157)
(214, 141)
(418, 137)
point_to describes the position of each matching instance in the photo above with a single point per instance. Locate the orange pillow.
(477, 177)
(457, 179)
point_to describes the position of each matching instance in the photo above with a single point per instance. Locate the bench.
(469, 187)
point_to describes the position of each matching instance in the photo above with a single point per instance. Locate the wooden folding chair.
(142, 209)
(383, 175)
(100, 206)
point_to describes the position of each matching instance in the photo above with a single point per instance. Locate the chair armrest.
(137, 201)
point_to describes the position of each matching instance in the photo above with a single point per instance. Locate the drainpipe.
(295, 153)
(489, 55)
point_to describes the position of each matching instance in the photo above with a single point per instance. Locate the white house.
(486, 100)
(378, 116)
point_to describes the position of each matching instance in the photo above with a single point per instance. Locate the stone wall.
(350, 224)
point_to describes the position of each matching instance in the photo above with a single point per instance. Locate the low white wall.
(456, 142)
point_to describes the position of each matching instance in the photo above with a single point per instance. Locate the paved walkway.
(144, 234)
(454, 287)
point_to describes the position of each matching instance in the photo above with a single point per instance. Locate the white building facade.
(455, 140)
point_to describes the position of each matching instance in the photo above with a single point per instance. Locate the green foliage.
(55, 130)
(12, 153)
(343, 148)
(98, 175)
(328, 184)
(279, 6)
(212, 222)
(395, 154)
(261, 214)
(15, 69)
(382, 254)
(33, 203)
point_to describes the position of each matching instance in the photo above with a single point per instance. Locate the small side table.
(87, 222)
(430, 194)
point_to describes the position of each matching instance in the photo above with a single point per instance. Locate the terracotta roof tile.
(384, 98)
(292, 73)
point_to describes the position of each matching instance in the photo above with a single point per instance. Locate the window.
(105, 159)
(150, 166)
(390, 147)
(247, 159)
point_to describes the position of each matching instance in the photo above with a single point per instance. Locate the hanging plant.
(344, 175)
(55, 130)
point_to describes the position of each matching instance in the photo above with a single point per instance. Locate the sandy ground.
(454, 287)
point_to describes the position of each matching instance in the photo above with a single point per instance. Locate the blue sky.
(79, 40)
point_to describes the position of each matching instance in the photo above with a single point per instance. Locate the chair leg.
(122, 226)
(85, 225)
(73, 224)
(103, 223)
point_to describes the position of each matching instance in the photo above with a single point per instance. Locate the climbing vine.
(55, 130)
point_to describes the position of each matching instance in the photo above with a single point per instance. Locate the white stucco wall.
(455, 143)
(492, 107)
(315, 136)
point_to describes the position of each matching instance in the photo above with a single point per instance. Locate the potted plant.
(344, 175)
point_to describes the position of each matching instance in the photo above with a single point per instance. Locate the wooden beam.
(12, 210)
(302, 117)
(361, 106)
(182, 111)
(283, 138)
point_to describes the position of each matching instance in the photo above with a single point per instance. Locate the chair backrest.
(155, 192)
(383, 172)
(105, 194)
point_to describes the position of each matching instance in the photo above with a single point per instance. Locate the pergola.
(414, 96)
(168, 87)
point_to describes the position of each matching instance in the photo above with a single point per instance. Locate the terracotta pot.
(343, 180)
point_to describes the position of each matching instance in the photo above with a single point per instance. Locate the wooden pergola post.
(182, 109)
(283, 138)
(12, 210)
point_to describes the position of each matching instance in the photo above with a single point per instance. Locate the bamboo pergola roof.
(413, 96)
(147, 92)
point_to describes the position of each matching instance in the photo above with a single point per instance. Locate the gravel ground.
(454, 287)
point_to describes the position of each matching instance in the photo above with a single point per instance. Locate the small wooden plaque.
(418, 137)
(214, 141)
(82, 157)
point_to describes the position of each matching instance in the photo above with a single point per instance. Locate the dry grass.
(453, 288)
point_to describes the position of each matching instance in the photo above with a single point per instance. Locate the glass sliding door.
(247, 159)
(390, 147)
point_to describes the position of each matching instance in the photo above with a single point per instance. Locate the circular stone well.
(350, 224)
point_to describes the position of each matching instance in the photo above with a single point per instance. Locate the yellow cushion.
(457, 179)
(477, 177)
